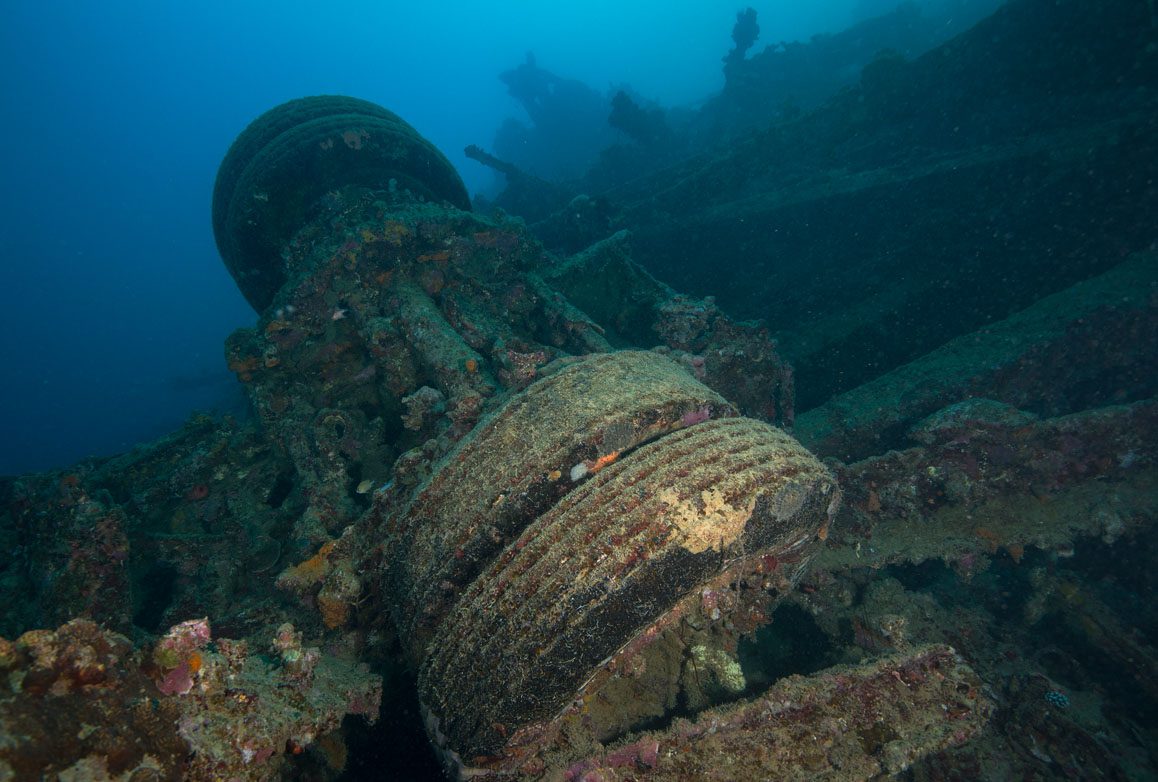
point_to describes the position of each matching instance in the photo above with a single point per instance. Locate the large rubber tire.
(574, 520)
(271, 180)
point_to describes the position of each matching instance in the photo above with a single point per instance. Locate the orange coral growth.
(313, 569)
(471, 365)
(334, 610)
(336, 598)
(596, 465)
(438, 256)
(244, 367)
(194, 662)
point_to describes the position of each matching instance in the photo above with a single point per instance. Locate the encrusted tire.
(279, 168)
(568, 538)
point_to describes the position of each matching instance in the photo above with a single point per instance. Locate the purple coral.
(697, 416)
(178, 681)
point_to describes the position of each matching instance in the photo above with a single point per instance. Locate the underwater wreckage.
(544, 497)
(567, 537)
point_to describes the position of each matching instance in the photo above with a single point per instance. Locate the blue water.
(113, 301)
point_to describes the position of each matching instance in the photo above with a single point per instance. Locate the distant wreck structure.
(509, 506)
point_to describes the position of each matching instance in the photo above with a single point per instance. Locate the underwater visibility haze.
(115, 306)
(579, 391)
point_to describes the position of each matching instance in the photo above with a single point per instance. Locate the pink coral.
(178, 681)
(697, 416)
